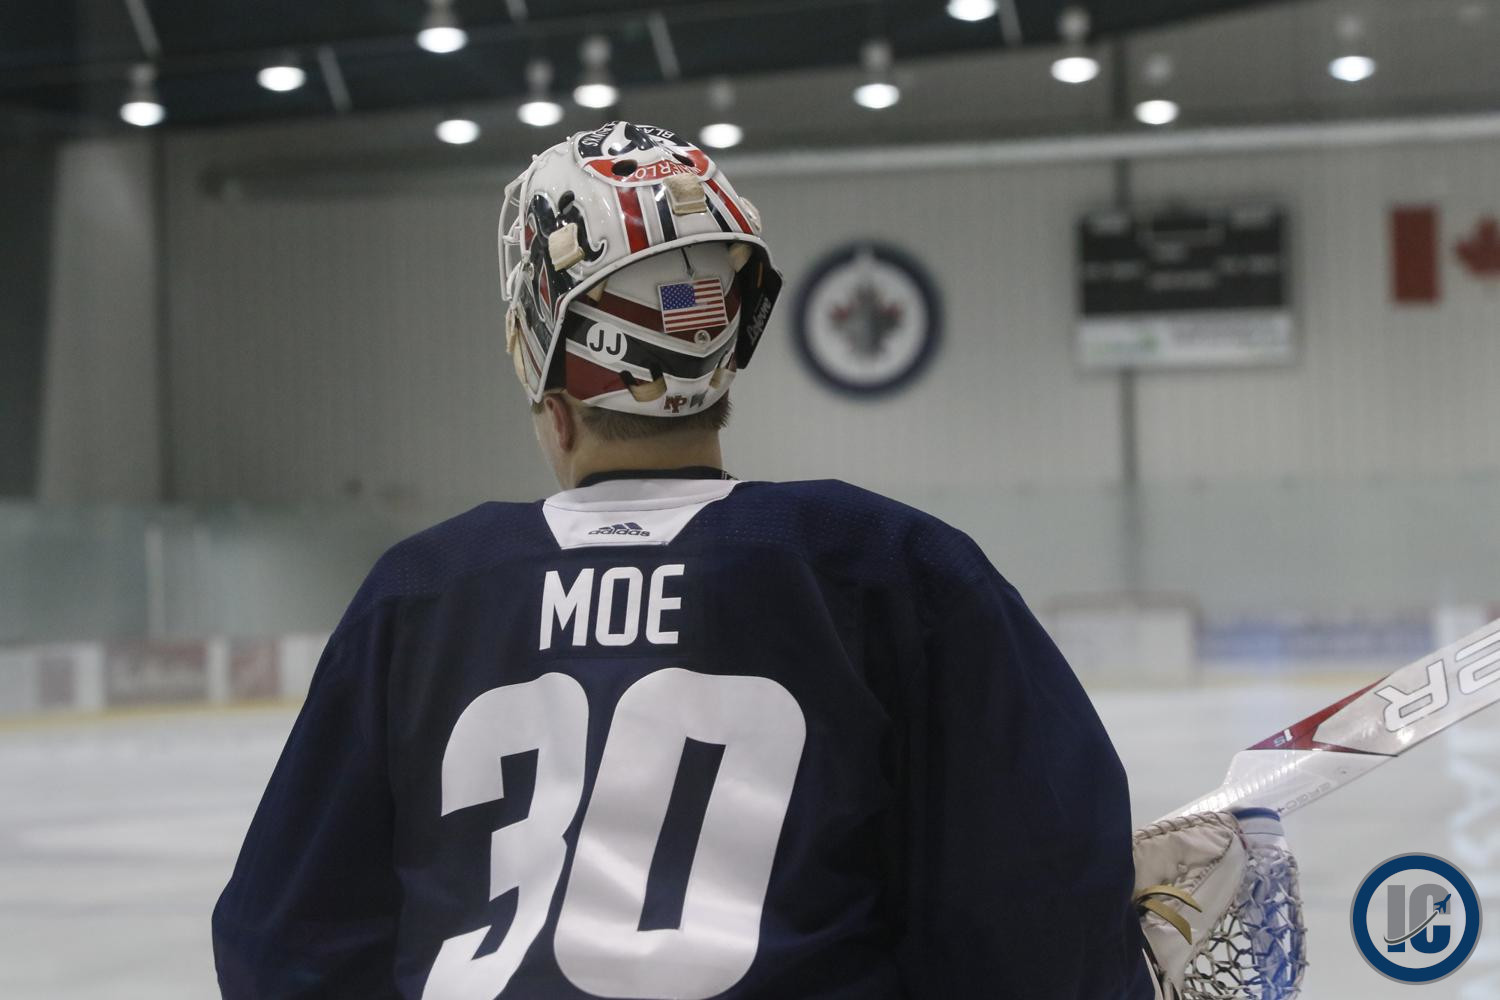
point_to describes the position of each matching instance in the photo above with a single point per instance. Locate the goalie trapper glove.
(1220, 907)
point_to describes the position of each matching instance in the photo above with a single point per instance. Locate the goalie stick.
(1352, 737)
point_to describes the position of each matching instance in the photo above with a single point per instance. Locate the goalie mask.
(628, 252)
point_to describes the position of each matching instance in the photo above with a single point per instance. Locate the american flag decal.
(695, 305)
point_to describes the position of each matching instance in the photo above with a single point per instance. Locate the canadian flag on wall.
(1416, 252)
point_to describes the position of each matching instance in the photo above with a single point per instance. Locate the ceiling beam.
(1129, 145)
(426, 169)
(661, 42)
(145, 29)
(1010, 24)
(493, 32)
(333, 80)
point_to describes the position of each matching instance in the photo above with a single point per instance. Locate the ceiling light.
(539, 110)
(1075, 65)
(440, 29)
(458, 131)
(597, 95)
(596, 88)
(1352, 69)
(442, 40)
(142, 107)
(876, 96)
(143, 113)
(1157, 112)
(1159, 68)
(1074, 24)
(282, 77)
(972, 10)
(540, 114)
(721, 93)
(1075, 69)
(721, 135)
(878, 91)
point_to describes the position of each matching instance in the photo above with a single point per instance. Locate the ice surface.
(117, 834)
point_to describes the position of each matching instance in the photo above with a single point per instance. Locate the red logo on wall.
(1416, 253)
(1481, 251)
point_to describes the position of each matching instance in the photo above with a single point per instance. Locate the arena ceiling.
(64, 65)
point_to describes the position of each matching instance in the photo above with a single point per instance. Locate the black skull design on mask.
(547, 283)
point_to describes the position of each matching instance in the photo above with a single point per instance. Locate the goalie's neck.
(681, 472)
(657, 457)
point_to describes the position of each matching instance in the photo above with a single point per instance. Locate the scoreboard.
(1181, 286)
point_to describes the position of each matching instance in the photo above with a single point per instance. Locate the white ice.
(116, 834)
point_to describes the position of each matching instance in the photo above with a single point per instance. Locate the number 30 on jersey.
(598, 942)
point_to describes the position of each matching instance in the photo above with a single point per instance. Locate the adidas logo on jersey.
(628, 528)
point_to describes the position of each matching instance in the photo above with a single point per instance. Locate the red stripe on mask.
(584, 380)
(734, 209)
(640, 315)
(629, 310)
(635, 227)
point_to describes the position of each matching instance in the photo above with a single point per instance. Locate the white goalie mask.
(629, 248)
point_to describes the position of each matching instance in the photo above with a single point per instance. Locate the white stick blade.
(1352, 737)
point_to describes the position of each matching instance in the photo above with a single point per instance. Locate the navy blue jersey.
(688, 738)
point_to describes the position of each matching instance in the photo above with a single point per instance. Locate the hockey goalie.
(673, 734)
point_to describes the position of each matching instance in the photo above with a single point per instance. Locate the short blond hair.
(612, 425)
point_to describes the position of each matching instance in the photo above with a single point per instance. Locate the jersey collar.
(649, 510)
(684, 472)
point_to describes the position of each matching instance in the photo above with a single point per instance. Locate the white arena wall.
(357, 336)
(331, 337)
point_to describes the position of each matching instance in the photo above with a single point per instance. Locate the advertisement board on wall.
(1183, 287)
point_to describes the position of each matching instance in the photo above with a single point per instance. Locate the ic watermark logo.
(1415, 918)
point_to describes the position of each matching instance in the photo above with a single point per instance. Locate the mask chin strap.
(513, 344)
(760, 285)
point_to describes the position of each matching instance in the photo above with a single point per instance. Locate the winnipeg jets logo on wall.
(867, 319)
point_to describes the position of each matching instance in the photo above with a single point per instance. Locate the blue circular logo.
(868, 319)
(1415, 918)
